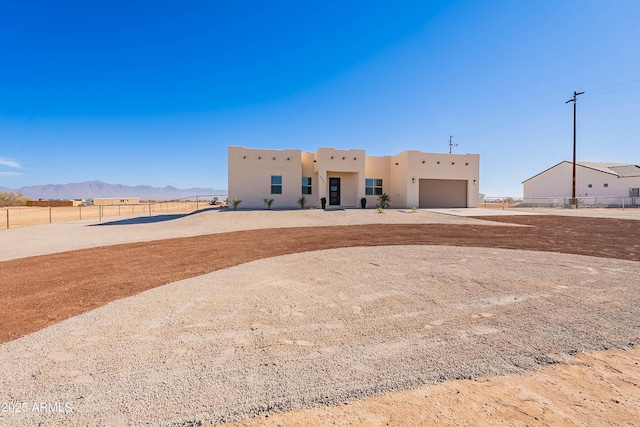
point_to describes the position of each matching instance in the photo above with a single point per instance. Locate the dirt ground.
(44, 290)
(598, 389)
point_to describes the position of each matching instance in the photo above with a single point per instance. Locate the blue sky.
(141, 92)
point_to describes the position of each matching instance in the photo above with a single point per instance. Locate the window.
(276, 184)
(606, 185)
(373, 187)
(306, 185)
(590, 185)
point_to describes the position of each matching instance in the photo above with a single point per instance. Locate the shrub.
(302, 201)
(235, 202)
(267, 201)
(383, 201)
(12, 199)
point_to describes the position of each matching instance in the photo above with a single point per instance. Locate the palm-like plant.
(235, 202)
(302, 201)
(268, 202)
(383, 201)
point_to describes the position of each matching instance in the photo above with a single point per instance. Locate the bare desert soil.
(43, 290)
(597, 389)
(503, 334)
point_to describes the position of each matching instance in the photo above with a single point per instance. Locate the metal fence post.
(49, 214)
(80, 209)
(7, 219)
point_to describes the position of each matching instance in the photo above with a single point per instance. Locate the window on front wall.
(373, 187)
(306, 185)
(276, 184)
(606, 185)
(590, 185)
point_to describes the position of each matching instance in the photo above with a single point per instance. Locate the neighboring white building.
(593, 179)
(344, 177)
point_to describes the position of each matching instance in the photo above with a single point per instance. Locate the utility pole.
(451, 144)
(574, 201)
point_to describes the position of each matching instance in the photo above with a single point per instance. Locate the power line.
(616, 85)
(512, 121)
(613, 91)
(549, 107)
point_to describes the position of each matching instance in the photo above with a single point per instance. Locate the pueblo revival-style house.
(344, 177)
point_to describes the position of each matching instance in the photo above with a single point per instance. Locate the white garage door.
(443, 193)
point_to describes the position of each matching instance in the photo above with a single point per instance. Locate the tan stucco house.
(344, 177)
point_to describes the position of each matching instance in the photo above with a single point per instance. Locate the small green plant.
(414, 209)
(302, 201)
(235, 202)
(379, 210)
(268, 202)
(383, 201)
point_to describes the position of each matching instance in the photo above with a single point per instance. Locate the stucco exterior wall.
(399, 176)
(377, 167)
(442, 166)
(250, 172)
(308, 170)
(330, 162)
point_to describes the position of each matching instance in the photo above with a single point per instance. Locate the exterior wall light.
(466, 164)
(413, 180)
(331, 157)
(354, 158)
(244, 157)
(343, 158)
(423, 162)
(453, 163)
(397, 164)
(438, 162)
(274, 158)
(259, 157)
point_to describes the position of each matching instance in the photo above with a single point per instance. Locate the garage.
(443, 193)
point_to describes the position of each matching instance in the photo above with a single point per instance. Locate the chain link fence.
(616, 202)
(498, 202)
(22, 216)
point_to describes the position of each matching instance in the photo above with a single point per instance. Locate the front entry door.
(334, 191)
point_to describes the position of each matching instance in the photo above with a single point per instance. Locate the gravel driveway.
(318, 327)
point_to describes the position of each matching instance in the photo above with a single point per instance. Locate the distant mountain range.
(93, 189)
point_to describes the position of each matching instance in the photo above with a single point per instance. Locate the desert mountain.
(93, 189)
